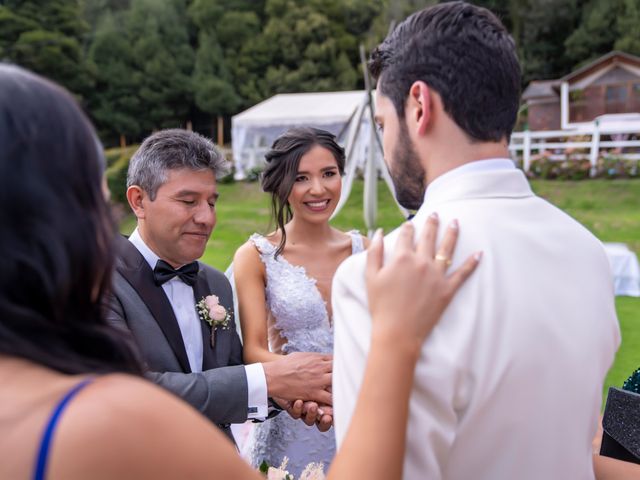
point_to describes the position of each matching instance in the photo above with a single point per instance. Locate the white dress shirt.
(183, 303)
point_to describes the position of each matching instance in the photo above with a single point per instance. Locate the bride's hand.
(408, 294)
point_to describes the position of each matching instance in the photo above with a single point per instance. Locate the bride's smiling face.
(317, 186)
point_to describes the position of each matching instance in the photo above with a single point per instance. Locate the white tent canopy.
(294, 108)
(254, 130)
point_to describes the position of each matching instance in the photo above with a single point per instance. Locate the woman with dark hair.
(283, 281)
(67, 409)
(56, 232)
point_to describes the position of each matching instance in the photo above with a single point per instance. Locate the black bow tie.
(165, 272)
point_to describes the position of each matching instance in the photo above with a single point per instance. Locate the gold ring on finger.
(442, 258)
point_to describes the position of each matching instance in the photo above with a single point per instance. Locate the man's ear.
(419, 107)
(135, 197)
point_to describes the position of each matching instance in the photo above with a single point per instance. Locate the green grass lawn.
(609, 208)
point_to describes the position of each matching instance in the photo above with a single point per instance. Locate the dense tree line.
(140, 65)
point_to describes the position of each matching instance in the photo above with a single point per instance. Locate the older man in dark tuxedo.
(194, 351)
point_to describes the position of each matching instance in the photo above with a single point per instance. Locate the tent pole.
(370, 194)
(350, 162)
(370, 200)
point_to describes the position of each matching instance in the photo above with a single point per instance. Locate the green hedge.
(117, 165)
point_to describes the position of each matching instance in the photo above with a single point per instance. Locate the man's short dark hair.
(465, 54)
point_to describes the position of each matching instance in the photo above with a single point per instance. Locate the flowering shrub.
(542, 166)
(617, 167)
(570, 169)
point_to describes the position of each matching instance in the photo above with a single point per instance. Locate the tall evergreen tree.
(213, 89)
(213, 86)
(606, 25)
(308, 46)
(544, 28)
(47, 37)
(114, 103)
(628, 25)
(222, 69)
(597, 32)
(94, 10)
(159, 42)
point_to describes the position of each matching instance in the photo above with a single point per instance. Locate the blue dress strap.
(45, 443)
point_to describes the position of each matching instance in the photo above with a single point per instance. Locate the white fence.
(589, 138)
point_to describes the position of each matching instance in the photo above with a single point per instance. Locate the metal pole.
(526, 150)
(595, 149)
(350, 162)
(371, 186)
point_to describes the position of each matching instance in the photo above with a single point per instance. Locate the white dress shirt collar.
(491, 164)
(148, 254)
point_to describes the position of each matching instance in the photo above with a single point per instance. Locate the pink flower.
(216, 311)
(211, 301)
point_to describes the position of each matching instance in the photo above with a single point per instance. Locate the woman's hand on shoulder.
(409, 293)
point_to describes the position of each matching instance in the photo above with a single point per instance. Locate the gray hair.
(171, 150)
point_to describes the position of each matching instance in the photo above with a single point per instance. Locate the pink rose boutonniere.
(214, 314)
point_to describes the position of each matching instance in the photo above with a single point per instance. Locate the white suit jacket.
(509, 383)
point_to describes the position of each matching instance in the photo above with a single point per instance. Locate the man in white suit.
(509, 383)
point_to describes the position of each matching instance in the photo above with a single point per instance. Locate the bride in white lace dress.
(283, 282)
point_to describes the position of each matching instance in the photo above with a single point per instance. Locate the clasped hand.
(300, 383)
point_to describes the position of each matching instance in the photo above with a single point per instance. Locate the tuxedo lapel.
(200, 290)
(134, 268)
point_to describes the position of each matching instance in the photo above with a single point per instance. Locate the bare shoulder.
(107, 394)
(124, 427)
(346, 237)
(247, 259)
(341, 237)
(246, 251)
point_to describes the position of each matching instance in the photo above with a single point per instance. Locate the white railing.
(523, 144)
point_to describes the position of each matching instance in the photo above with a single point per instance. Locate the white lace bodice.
(298, 309)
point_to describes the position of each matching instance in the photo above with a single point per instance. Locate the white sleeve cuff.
(257, 407)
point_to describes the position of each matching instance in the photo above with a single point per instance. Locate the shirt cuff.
(257, 407)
